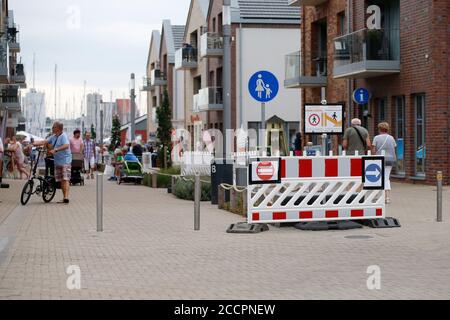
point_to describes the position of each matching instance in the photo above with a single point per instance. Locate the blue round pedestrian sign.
(263, 86)
(361, 96)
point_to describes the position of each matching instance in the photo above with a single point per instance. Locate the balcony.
(4, 62)
(208, 99)
(158, 78)
(19, 76)
(299, 3)
(186, 58)
(13, 40)
(311, 74)
(367, 53)
(211, 45)
(10, 99)
(147, 85)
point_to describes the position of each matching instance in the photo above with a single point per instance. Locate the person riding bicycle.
(60, 149)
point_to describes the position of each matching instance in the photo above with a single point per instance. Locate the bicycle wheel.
(27, 191)
(49, 191)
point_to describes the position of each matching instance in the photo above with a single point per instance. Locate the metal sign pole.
(439, 196)
(99, 202)
(198, 194)
(263, 127)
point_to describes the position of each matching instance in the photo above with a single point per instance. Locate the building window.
(420, 141)
(400, 133)
(382, 109)
(341, 23)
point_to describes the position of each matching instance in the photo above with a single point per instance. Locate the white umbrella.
(28, 136)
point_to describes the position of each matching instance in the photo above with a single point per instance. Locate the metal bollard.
(99, 202)
(197, 198)
(439, 196)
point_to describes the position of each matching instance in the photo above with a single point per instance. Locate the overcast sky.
(100, 41)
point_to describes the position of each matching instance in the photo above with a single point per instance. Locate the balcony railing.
(158, 78)
(147, 85)
(367, 53)
(299, 3)
(10, 99)
(4, 62)
(13, 39)
(208, 99)
(186, 58)
(211, 45)
(312, 73)
(19, 76)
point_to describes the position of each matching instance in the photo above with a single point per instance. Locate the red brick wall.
(424, 31)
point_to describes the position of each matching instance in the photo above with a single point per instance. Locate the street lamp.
(133, 107)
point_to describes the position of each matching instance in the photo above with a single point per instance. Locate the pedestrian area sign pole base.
(244, 227)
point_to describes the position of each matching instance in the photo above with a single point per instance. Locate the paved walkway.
(150, 251)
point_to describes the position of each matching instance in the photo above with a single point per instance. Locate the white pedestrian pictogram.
(260, 86)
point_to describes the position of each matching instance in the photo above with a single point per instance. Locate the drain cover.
(359, 237)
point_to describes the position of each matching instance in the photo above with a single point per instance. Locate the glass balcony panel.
(211, 45)
(209, 99)
(158, 78)
(311, 73)
(186, 58)
(367, 53)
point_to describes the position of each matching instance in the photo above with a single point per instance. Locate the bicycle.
(45, 186)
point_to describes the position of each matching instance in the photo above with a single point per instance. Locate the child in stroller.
(131, 170)
(76, 176)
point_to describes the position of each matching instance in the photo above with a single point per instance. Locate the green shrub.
(185, 190)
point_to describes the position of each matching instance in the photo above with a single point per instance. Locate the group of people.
(357, 139)
(16, 151)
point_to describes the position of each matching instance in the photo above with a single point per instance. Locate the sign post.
(263, 86)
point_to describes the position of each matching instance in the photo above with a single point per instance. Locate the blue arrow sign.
(373, 173)
(263, 86)
(361, 96)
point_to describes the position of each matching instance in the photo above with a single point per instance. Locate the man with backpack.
(356, 138)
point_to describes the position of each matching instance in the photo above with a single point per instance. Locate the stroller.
(131, 170)
(76, 176)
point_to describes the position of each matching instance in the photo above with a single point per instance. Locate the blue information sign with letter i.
(361, 96)
(373, 173)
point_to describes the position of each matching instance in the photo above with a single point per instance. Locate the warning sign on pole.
(320, 119)
(264, 172)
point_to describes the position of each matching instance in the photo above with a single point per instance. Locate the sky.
(98, 41)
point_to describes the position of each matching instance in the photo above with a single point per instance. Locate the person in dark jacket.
(298, 145)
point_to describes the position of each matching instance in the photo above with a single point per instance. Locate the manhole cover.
(359, 237)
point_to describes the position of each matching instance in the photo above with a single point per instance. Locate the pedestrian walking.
(19, 158)
(77, 145)
(59, 146)
(356, 138)
(384, 142)
(298, 145)
(89, 156)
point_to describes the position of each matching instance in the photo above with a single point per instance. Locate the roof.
(173, 36)
(138, 120)
(178, 36)
(264, 11)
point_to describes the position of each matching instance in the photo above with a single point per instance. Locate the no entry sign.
(264, 172)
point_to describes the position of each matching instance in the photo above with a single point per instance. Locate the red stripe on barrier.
(256, 217)
(279, 216)
(332, 214)
(379, 212)
(331, 168)
(356, 167)
(283, 169)
(305, 215)
(305, 168)
(357, 213)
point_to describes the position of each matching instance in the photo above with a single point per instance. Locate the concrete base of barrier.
(382, 223)
(325, 225)
(244, 227)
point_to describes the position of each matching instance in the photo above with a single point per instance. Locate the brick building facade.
(401, 55)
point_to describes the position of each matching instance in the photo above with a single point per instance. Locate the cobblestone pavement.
(150, 251)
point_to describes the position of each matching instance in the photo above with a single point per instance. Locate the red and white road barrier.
(311, 189)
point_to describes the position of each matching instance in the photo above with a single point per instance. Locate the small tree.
(93, 134)
(164, 116)
(115, 134)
